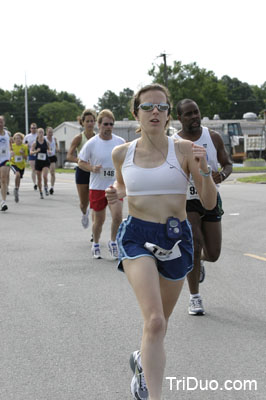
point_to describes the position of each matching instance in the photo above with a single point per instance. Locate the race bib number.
(41, 156)
(107, 173)
(18, 158)
(3, 152)
(192, 191)
(163, 254)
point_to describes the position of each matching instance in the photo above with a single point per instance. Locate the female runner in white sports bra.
(155, 242)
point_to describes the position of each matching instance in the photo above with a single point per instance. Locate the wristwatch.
(223, 175)
(206, 173)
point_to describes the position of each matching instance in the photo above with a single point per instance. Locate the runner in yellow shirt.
(19, 155)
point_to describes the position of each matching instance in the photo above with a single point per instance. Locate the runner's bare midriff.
(157, 208)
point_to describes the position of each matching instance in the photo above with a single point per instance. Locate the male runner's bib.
(206, 142)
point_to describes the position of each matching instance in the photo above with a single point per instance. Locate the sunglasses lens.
(146, 106)
(163, 106)
(150, 106)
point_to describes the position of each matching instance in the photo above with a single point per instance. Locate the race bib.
(41, 156)
(18, 158)
(107, 173)
(162, 254)
(192, 191)
(3, 152)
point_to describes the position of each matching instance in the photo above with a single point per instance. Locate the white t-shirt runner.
(97, 151)
(29, 139)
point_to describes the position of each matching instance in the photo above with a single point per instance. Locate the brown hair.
(88, 111)
(153, 86)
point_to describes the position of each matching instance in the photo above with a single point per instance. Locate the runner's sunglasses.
(151, 106)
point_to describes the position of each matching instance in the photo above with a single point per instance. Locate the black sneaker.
(138, 386)
(51, 191)
(3, 206)
(35, 187)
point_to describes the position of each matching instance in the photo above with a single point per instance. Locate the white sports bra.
(168, 178)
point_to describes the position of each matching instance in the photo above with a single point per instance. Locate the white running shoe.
(112, 246)
(85, 220)
(138, 386)
(196, 306)
(96, 251)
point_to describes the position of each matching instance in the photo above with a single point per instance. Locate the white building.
(66, 131)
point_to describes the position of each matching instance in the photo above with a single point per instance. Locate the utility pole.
(26, 109)
(165, 69)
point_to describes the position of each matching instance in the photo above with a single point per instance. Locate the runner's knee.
(212, 254)
(155, 326)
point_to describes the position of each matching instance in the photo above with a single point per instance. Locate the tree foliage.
(230, 98)
(53, 114)
(12, 105)
(118, 104)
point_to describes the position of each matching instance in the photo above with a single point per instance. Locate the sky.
(87, 47)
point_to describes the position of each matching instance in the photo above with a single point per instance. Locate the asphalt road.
(68, 323)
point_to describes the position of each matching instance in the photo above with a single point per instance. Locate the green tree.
(118, 104)
(260, 95)
(12, 104)
(53, 114)
(5, 102)
(241, 97)
(7, 110)
(11, 123)
(71, 98)
(17, 102)
(198, 84)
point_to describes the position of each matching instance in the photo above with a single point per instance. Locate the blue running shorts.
(132, 235)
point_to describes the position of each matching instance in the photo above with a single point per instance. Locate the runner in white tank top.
(51, 156)
(206, 225)
(155, 241)
(4, 162)
(29, 139)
